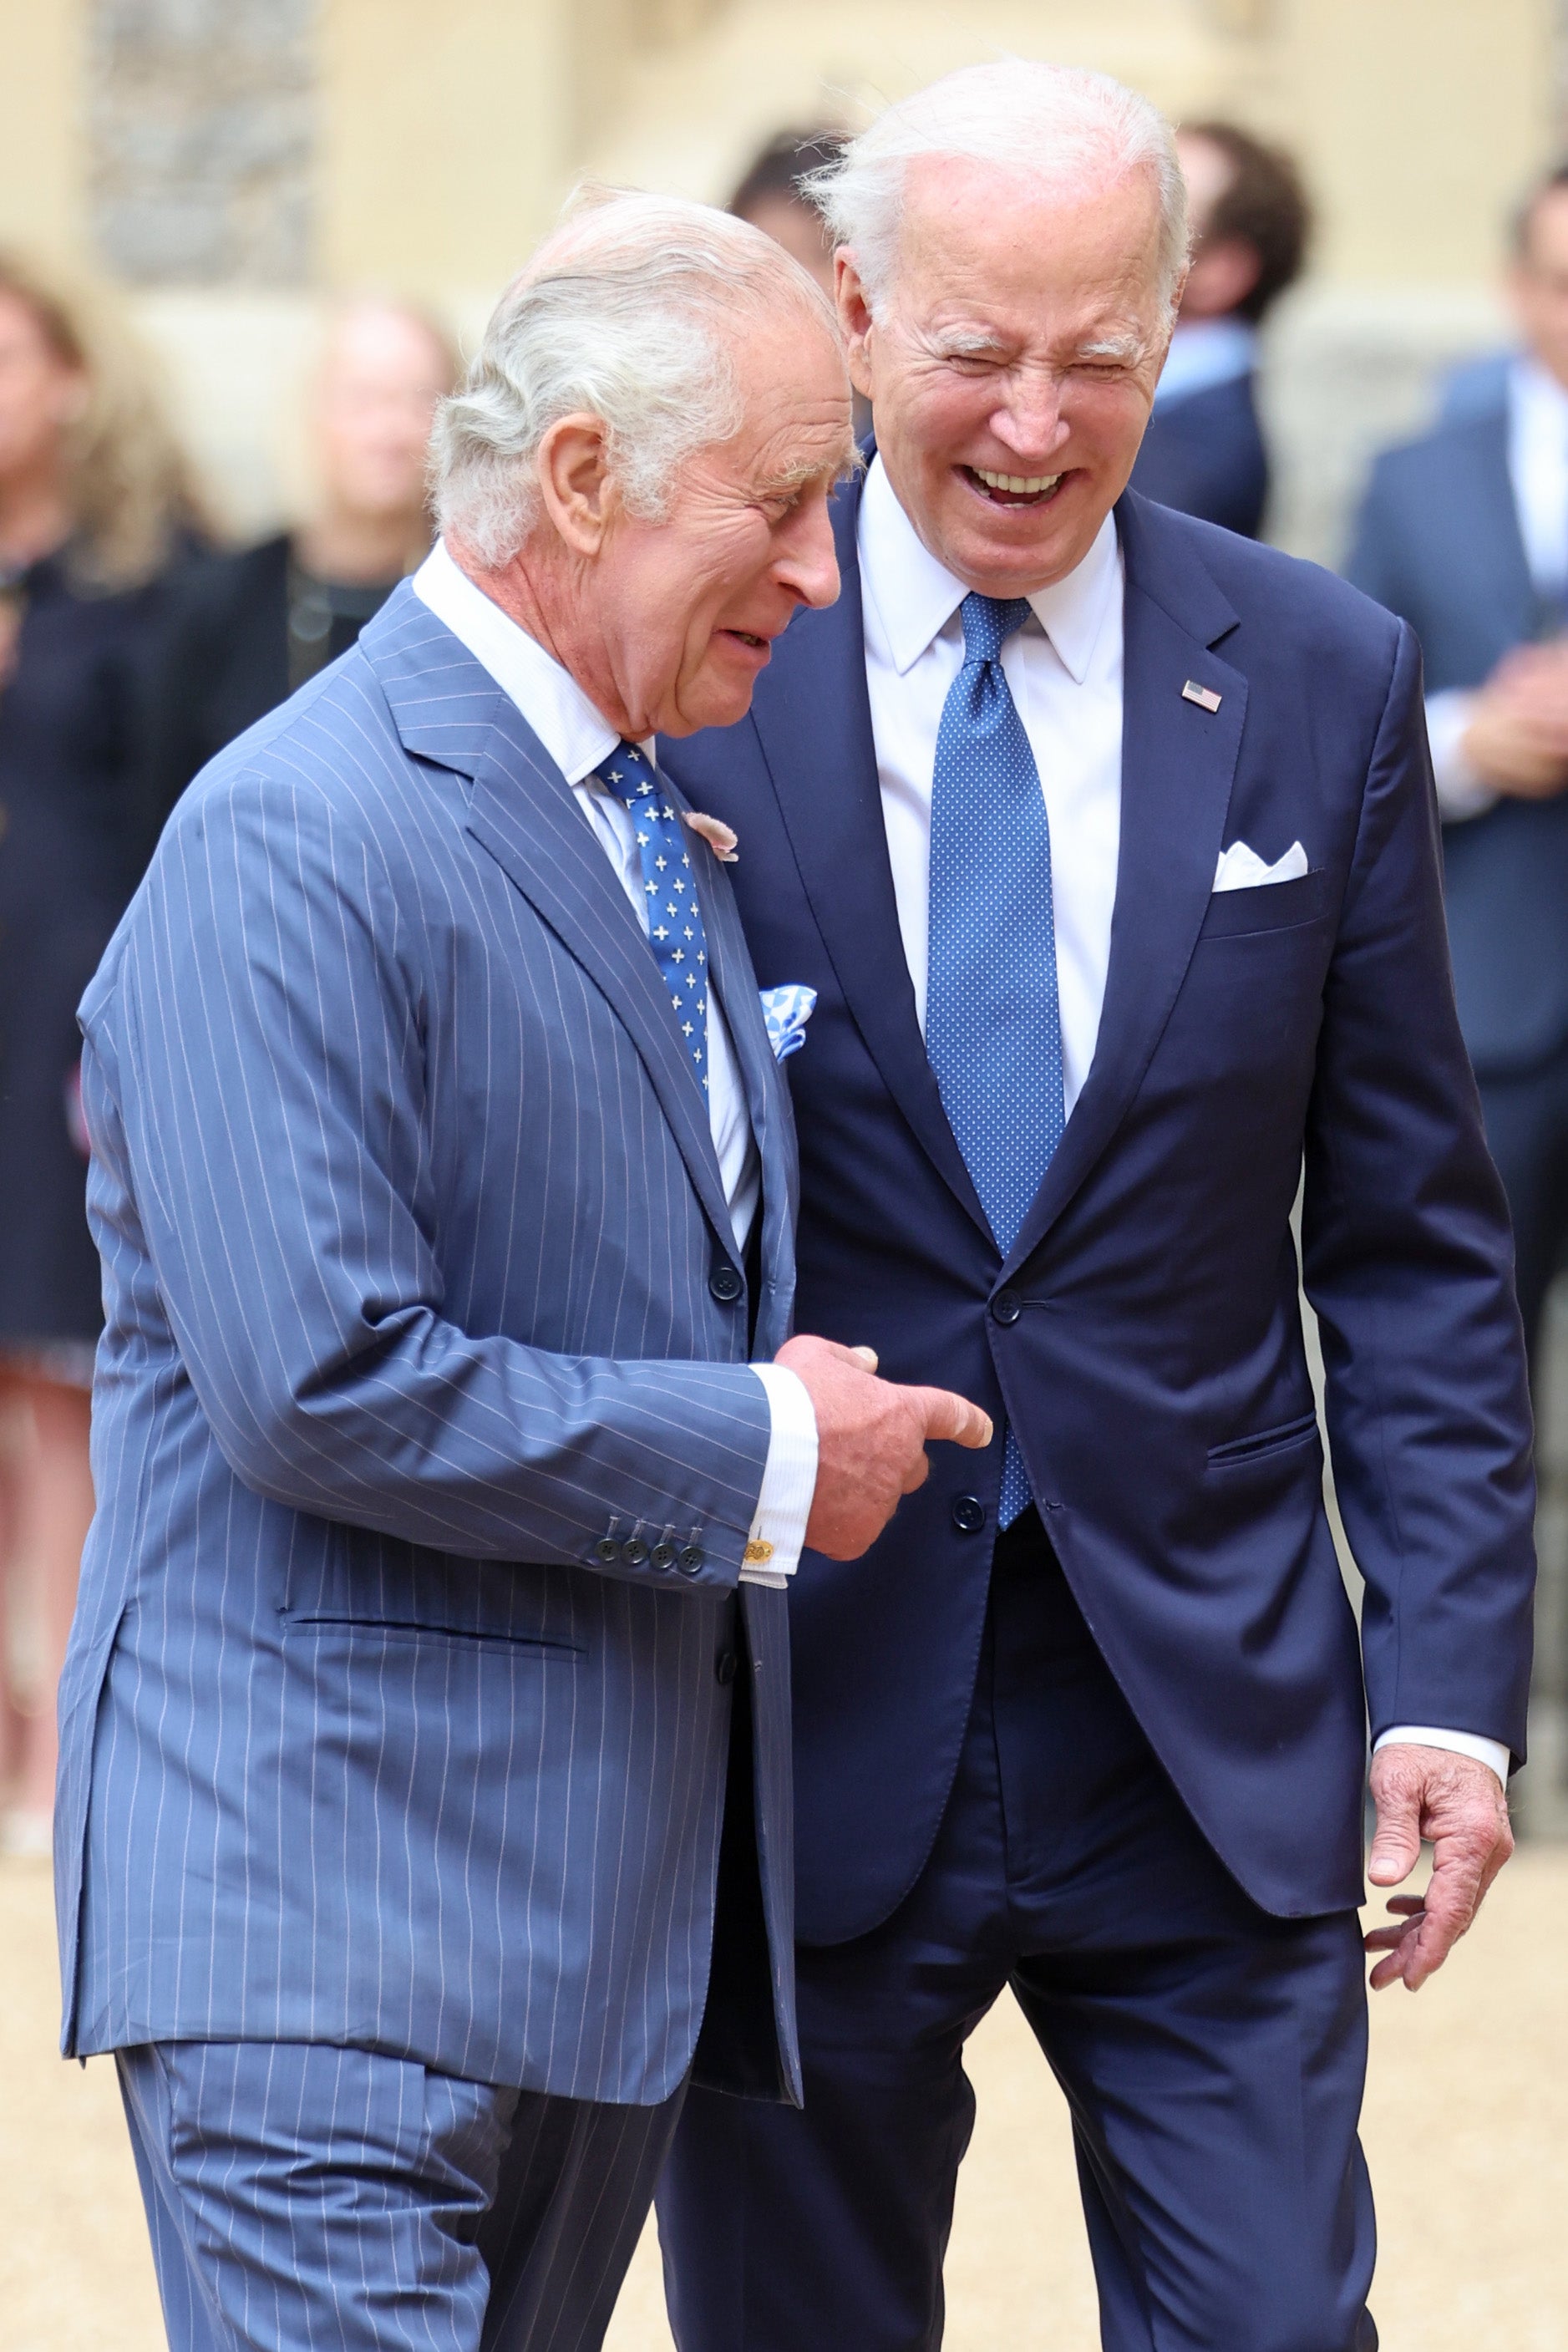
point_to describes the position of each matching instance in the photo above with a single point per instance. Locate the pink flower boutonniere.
(716, 835)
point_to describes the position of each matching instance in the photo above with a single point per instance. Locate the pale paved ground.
(1466, 2130)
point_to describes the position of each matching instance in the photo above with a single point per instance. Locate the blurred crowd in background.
(134, 646)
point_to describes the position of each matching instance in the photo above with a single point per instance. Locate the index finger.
(953, 1417)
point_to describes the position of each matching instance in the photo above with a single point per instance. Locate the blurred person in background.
(1204, 450)
(249, 628)
(95, 502)
(1464, 533)
(772, 198)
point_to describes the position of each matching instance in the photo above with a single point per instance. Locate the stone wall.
(202, 119)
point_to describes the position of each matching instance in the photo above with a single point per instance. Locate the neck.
(338, 544)
(34, 517)
(543, 593)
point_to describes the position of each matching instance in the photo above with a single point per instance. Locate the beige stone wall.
(447, 132)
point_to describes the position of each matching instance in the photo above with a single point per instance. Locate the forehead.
(795, 390)
(980, 240)
(381, 346)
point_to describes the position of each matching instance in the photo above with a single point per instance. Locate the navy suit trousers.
(301, 2194)
(1212, 2055)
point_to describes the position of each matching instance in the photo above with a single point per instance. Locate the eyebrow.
(959, 341)
(1113, 347)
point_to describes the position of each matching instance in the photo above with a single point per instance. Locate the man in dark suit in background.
(1104, 839)
(1464, 533)
(1204, 450)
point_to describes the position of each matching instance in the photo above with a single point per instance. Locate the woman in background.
(95, 502)
(248, 629)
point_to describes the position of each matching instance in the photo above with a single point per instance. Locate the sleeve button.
(662, 1555)
(608, 1551)
(634, 1552)
(691, 1559)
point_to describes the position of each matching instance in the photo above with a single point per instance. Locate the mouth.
(1012, 489)
(748, 639)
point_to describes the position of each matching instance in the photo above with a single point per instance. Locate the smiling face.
(1011, 365)
(686, 606)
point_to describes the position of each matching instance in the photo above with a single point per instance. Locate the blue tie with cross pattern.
(993, 1024)
(675, 930)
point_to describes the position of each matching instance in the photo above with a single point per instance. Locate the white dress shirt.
(578, 737)
(1063, 669)
(1538, 475)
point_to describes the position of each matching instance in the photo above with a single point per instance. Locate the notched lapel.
(1178, 762)
(812, 717)
(522, 813)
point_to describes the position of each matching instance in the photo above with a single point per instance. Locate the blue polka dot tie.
(993, 1025)
(675, 930)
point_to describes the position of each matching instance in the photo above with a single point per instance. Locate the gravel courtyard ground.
(1466, 2130)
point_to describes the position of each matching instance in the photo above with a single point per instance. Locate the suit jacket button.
(724, 1283)
(608, 1550)
(968, 1514)
(662, 1555)
(1007, 1306)
(634, 1552)
(724, 1666)
(691, 1559)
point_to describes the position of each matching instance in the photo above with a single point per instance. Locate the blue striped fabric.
(408, 1210)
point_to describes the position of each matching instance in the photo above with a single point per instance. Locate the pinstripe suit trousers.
(303, 2196)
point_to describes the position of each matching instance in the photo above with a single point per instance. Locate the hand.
(1517, 740)
(871, 1441)
(1458, 1803)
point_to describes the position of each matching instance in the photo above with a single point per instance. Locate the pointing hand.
(872, 1436)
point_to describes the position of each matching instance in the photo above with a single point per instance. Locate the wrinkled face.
(374, 407)
(40, 394)
(1012, 364)
(1539, 284)
(689, 603)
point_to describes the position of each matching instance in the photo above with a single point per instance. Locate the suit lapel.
(733, 982)
(1497, 561)
(449, 709)
(812, 716)
(1178, 762)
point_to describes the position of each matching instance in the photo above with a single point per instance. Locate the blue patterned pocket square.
(787, 1009)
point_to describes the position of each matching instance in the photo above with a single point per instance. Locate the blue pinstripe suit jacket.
(410, 1214)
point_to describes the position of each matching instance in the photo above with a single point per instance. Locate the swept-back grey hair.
(1058, 125)
(630, 311)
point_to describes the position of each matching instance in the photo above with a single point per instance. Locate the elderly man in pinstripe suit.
(444, 1187)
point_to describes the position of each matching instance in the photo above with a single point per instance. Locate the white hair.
(629, 312)
(1058, 125)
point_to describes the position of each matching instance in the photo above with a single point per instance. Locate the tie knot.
(989, 621)
(627, 773)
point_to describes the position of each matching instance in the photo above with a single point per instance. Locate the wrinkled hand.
(872, 1436)
(1458, 1802)
(1518, 736)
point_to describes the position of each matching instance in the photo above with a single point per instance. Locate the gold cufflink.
(756, 1552)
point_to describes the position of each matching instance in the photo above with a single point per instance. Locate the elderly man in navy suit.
(1107, 840)
(444, 1185)
(1464, 533)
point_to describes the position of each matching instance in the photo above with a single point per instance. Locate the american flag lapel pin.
(1204, 695)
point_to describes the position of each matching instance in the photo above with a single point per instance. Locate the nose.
(808, 563)
(1031, 424)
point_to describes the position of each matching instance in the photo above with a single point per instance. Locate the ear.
(854, 317)
(576, 484)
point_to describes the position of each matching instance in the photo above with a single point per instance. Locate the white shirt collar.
(1204, 352)
(916, 597)
(1539, 403)
(573, 731)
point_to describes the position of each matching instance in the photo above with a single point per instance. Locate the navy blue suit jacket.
(1143, 1334)
(1204, 455)
(1438, 543)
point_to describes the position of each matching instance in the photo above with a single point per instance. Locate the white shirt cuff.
(1461, 791)
(1457, 1743)
(788, 1480)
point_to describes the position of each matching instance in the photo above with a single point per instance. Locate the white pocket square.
(1241, 868)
